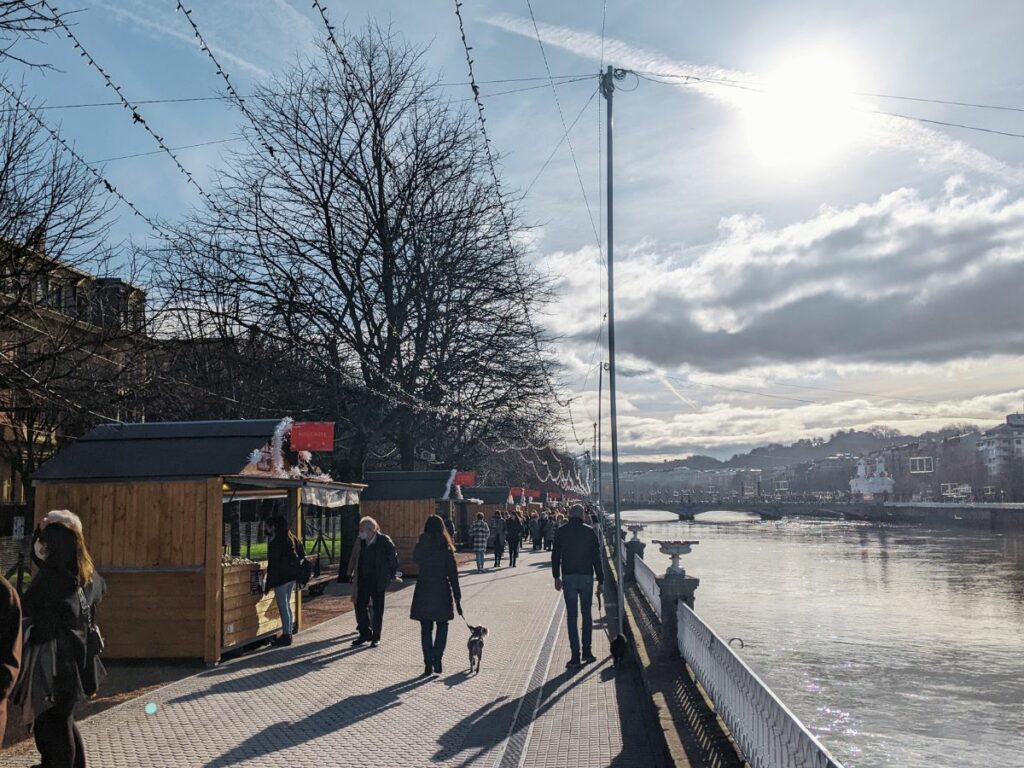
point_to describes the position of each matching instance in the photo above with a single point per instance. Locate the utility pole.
(607, 90)
(600, 427)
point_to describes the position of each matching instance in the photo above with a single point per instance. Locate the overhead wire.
(176, 149)
(565, 126)
(55, 136)
(137, 117)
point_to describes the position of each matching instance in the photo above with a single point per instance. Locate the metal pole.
(600, 427)
(607, 89)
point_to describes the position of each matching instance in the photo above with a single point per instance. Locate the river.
(896, 646)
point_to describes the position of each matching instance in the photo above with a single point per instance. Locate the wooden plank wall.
(134, 531)
(248, 616)
(135, 525)
(153, 615)
(402, 520)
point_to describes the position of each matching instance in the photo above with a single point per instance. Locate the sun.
(805, 114)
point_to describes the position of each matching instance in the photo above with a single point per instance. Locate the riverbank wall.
(1002, 518)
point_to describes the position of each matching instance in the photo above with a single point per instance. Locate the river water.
(896, 646)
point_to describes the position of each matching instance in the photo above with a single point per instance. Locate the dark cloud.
(902, 280)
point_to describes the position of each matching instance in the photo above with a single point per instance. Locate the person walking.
(535, 531)
(548, 528)
(285, 554)
(373, 565)
(575, 563)
(498, 526)
(10, 646)
(514, 534)
(436, 585)
(479, 533)
(59, 607)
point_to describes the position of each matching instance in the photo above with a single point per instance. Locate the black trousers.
(513, 551)
(366, 594)
(57, 737)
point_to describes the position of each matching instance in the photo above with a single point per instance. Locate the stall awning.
(316, 492)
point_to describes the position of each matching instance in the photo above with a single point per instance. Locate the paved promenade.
(322, 703)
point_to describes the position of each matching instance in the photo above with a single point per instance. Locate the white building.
(872, 482)
(1003, 445)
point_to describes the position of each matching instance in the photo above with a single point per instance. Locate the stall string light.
(137, 117)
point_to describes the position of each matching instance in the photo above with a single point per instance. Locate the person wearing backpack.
(286, 568)
(62, 643)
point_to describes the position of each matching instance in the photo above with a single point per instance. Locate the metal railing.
(648, 583)
(767, 734)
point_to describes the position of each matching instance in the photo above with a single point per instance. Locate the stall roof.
(389, 486)
(487, 494)
(171, 449)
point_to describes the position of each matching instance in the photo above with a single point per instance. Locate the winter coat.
(498, 526)
(576, 551)
(52, 608)
(437, 582)
(283, 561)
(10, 646)
(373, 566)
(514, 529)
(549, 530)
(480, 532)
(535, 527)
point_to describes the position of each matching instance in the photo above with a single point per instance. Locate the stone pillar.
(674, 587)
(634, 549)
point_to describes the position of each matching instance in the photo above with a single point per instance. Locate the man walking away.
(575, 562)
(479, 533)
(374, 564)
(535, 530)
(498, 525)
(514, 534)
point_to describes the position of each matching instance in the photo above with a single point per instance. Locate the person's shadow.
(336, 717)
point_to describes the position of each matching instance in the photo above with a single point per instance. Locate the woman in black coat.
(436, 585)
(514, 533)
(284, 571)
(56, 610)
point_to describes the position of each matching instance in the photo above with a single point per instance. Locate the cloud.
(901, 279)
(745, 91)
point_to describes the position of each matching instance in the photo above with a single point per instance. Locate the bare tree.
(24, 20)
(361, 229)
(66, 325)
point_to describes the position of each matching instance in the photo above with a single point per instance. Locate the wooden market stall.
(401, 502)
(152, 498)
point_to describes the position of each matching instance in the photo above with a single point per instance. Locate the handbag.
(92, 673)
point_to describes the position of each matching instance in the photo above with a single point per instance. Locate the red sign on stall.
(532, 494)
(465, 478)
(312, 436)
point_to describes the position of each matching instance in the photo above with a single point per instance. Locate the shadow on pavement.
(336, 717)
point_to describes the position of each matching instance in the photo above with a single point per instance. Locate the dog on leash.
(619, 646)
(476, 646)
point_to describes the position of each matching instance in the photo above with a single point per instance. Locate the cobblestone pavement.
(322, 703)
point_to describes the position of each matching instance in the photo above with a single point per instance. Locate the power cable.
(565, 127)
(557, 146)
(110, 188)
(175, 149)
(651, 77)
(132, 108)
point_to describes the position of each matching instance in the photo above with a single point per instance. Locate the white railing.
(648, 583)
(767, 734)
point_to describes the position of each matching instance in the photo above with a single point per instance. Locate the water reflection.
(897, 645)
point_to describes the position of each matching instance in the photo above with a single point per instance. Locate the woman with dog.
(436, 586)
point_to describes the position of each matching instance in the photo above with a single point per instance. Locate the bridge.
(768, 509)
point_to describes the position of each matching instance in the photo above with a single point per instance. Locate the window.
(921, 465)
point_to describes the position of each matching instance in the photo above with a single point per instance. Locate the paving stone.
(322, 703)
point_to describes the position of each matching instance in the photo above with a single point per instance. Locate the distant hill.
(856, 443)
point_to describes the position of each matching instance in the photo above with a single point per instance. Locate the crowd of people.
(50, 645)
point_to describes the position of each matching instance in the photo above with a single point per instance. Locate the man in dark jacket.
(10, 646)
(375, 564)
(575, 562)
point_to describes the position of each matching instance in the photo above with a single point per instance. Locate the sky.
(789, 261)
